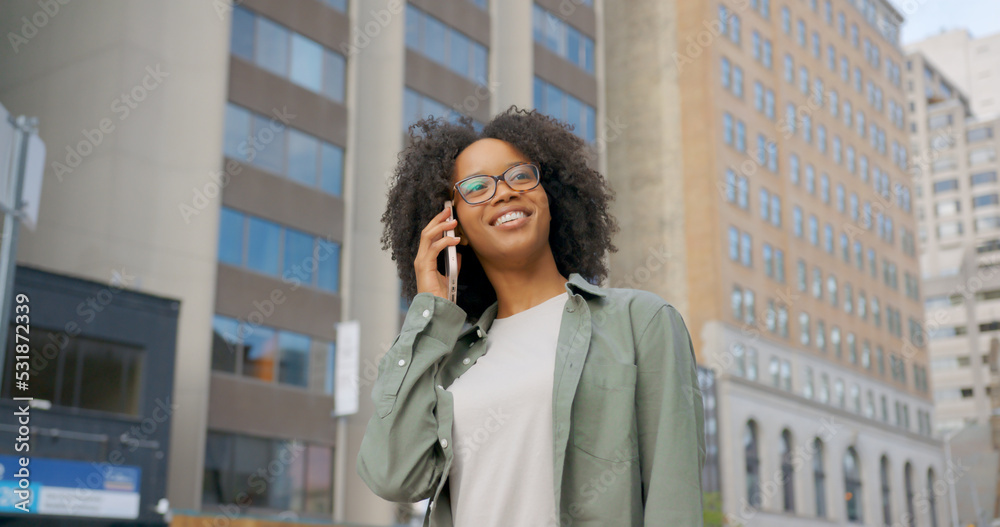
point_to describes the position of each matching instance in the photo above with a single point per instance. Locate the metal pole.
(11, 227)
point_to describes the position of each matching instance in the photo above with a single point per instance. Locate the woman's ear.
(462, 239)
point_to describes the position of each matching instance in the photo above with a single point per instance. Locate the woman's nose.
(503, 191)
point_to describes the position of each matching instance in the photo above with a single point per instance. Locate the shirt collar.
(576, 283)
(581, 284)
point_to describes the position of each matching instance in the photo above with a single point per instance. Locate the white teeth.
(510, 216)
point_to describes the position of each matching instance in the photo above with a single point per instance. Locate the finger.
(427, 257)
(440, 244)
(433, 229)
(434, 232)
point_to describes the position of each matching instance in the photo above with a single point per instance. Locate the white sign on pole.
(7, 169)
(346, 396)
(34, 170)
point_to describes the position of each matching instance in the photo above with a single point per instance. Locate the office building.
(234, 159)
(765, 193)
(971, 64)
(954, 169)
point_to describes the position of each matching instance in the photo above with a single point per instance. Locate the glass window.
(329, 265)
(573, 38)
(241, 38)
(984, 200)
(298, 252)
(746, 250)
(226, 344)
(736, 303)
(751, 455)
(307, 63)
(319, 479)
(414, 26)
(479, 62)
(231, 237)
(459, 51)
(262, 246)
(332, 168)
(787, 471)
(983, 178)
(434, 35)
(302, 157)
(272, 47)
(237, 132)
(979, 134)
(341, 5)
(271, 155)
(259, 352)
(293, 366)
(334, 65)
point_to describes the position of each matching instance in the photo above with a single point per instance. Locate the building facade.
(955, 169)
(972, 64)
(765, 193)
(240, 169)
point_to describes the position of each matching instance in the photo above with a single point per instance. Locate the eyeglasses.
(481, 188)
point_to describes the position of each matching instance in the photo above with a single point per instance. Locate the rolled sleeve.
(400, 459)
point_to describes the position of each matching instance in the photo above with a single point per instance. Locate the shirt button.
(479, 332)
(466, 360)
(427, 313)
(402, 362)
(444, 443)
(440, 387)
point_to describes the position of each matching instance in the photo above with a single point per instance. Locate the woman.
(563, 403)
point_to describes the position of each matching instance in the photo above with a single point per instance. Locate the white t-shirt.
(501, 474)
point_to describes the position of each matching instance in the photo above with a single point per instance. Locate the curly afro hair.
(579, 198)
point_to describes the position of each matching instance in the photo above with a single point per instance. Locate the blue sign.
(69, 488)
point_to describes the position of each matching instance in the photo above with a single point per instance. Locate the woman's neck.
(523, 288)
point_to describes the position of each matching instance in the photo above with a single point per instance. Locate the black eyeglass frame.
(496, 182)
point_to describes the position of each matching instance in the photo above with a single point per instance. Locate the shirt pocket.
(604, 412)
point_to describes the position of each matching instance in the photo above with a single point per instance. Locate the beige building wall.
(973, 64)
(132, 70)
(955, 171)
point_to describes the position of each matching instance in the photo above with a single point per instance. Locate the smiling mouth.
(511, 219)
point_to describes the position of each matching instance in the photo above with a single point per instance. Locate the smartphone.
(451, 260)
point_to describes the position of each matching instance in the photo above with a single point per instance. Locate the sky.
(924, 18)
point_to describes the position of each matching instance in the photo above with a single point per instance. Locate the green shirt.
(627, 423)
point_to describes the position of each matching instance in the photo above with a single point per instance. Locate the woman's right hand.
(432, 242)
